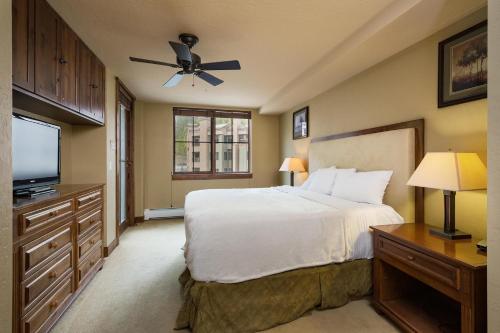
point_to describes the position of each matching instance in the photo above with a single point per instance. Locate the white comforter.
(234, 235)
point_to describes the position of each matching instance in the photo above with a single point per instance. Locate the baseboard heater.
(163, 213)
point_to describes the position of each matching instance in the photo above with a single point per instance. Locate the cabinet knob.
(52, 214)
(53, 245)
(52, 275)
(92, 242)
(411, 257)
(62, 61)
(92, 263)
(53, 304)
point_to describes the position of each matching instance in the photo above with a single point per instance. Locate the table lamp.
(450, 172)
(292, 164)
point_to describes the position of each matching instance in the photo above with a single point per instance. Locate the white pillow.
(321, 180)
(366, 187)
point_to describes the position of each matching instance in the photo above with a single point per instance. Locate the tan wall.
(153, 158)
(5, 167)
(403, 88)
(110, 166)
(494, 166)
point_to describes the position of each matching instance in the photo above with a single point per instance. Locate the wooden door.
(46, 22)
(85, 82)
(97, 96)
(124, 158)
(23, 44)
(68, 66)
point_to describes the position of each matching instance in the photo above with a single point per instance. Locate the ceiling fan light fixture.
(191, 63)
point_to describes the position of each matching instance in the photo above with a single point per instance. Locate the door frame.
(124, 96)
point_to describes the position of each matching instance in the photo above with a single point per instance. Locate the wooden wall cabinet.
(98, 82)
(58, 249)
(67, 67)
(91, 84)
(23, 43)
(54, 73)
(46, 50)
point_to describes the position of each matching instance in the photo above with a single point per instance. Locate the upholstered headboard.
(398, 147)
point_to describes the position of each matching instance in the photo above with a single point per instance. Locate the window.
(211, 144)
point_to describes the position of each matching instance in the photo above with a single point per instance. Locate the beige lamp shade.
(450, 171)
(292, 164)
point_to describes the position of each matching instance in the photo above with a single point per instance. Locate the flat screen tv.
(36, 153)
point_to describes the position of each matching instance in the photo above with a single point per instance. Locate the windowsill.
(207, 176)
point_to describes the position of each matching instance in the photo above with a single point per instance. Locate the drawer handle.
(53, 245)
(92, 242)
(411, 257)
(53, 213)
(52, 275)
(53, 305)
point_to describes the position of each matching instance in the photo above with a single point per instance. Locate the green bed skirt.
(266, 302)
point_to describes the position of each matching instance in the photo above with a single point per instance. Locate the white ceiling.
(289, 50)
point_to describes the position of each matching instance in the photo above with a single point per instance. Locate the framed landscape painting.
(301, 123)
(463, 66)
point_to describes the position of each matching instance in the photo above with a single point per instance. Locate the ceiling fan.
(191, 63)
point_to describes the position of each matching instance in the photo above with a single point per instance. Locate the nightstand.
(428, 284)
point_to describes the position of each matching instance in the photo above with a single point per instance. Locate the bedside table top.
(463, 251)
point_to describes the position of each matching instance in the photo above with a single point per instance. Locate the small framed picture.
(463, 66)
(301, 123)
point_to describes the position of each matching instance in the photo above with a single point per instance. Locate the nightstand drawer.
(425, 264)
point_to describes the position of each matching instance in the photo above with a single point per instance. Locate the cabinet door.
(68, 66)
(97, 89)
(85, 82)
(46, 22)
(23, 44)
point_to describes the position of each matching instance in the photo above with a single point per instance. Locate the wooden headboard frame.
(419, 127)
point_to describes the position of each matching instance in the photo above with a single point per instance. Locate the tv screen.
(35, 152)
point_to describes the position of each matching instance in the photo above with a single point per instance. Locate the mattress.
(235, 235)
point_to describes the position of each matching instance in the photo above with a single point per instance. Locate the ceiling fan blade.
(209, 78)
(155, 62)
(182, 51)
(174, 80)
(221, 65)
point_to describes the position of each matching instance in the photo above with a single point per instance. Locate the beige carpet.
(137, 291)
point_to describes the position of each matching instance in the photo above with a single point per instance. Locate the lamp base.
(457, 234)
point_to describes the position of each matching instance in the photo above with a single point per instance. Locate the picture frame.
(300, 123)
(463, 66)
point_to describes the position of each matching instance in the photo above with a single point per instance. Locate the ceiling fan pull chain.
(193, 81)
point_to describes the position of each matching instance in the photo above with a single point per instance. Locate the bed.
(266, 256)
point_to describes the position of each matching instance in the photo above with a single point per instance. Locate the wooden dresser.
(58, 249)
(429, 284)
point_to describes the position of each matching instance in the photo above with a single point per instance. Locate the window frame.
(212, 114)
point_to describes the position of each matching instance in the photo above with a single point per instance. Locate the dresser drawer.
(44, 249)
(85, 245)
(88, 199)
(37, 320)
(37, 219)
(425, 264)
(39, 283)
(89, 221)
(85, 267)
